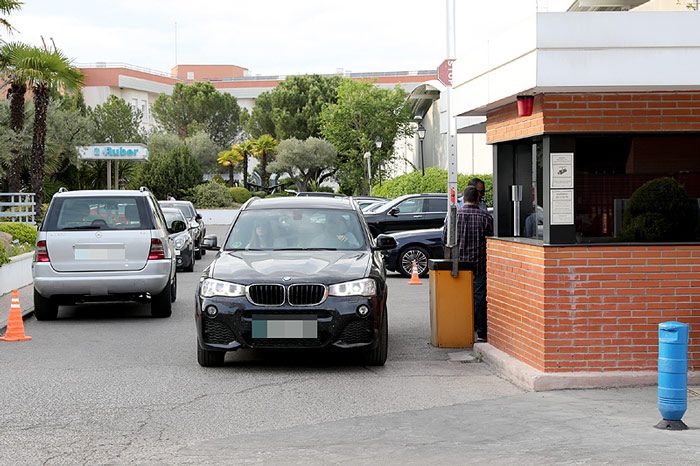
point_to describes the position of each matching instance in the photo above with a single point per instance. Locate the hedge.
(22, 232)
(240, 194)
(434, 181)
(211, 196)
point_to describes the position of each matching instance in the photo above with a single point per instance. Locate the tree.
(47, 71)
(230, 158)
(116, 122)
(199, 106)
(362, 115)
(264, 150)
(12, 54)
(203, 149)
(175, 172)
(247, 149)
(260, 120)
(293, 109)
(308, 163)
(7, 7)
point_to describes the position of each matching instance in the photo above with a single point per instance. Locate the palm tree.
(46, 71)
(7, 7)
(264, 150)
(230, 158)
(10, 53)
(247, 149)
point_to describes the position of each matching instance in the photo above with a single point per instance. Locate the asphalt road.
(110, 384)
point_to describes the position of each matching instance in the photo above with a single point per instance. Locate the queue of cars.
(301, 272)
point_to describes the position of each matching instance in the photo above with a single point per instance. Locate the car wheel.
(173, 289)
(197, 252)
(207, 358)
(202, 250)
(161, 303)
(190, 268)
(378, 355)
(44, 308)
(410, 254)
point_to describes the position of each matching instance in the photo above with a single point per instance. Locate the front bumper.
(184, 259)
(150, 279)
(337, 320)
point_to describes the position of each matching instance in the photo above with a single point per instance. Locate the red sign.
(453, 196)
(444, 72)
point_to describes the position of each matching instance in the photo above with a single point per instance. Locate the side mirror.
(177, 226)
(384, 243)
(394, 211)
(210, 242)
(198, 217)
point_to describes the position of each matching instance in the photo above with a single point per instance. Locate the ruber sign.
(444, 72)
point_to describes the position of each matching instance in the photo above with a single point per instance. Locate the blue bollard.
(673, 375)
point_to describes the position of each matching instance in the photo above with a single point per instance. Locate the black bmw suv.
(298, 272)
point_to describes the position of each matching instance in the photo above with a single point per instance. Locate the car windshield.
(186, 209)
(297, 229)
(97, 213)
(373, 207)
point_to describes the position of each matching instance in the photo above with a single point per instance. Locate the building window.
(190, 75)
(134, 103)
(144, 109)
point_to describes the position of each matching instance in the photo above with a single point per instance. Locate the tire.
(197, 252)
(173, 289)
(378, 355)
(202, 251)
(207, 358)
(404, 263)
(44, 308)
(190, 268)
(162, 303)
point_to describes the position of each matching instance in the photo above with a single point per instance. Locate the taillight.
(157, 251)
(41, 254)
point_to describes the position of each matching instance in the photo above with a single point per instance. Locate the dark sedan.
(298, 272)
(409, 212)
(416, 245)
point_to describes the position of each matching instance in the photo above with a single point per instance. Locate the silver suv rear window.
(98, 213)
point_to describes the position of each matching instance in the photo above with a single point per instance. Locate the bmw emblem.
(98, 234)
(286, 279)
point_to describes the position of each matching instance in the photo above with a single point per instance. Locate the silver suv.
(103, 246)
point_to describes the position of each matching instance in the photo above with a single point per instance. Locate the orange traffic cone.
(15, 324)
(414, 276)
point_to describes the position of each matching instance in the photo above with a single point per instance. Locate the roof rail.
(62, 189)
(144, 189)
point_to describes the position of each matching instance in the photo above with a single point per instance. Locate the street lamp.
(421, 136)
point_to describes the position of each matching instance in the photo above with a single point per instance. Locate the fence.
(17, 207)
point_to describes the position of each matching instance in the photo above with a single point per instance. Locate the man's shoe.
(481, 338)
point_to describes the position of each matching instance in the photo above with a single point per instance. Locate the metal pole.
(422, 160)
(369, 171)
(116, 174)
(452, 148)
(109, 174)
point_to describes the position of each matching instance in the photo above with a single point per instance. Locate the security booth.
(596, 188)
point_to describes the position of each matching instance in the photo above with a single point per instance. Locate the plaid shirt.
(473, 226)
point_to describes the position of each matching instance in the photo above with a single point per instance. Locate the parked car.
(409, 212)
(296, 272)
(415, 245)
(196, 225)
(365, 201)
(181, 237)
(103, 246)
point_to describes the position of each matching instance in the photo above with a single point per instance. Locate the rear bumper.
(151, 279)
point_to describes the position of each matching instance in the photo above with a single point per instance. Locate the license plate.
(281, 326)
(100, 254)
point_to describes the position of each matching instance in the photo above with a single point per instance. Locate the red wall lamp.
(525, 103)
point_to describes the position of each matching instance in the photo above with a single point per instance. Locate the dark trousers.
(480, 304)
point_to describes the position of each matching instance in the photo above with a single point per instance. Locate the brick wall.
(598, 308)
(596, 113)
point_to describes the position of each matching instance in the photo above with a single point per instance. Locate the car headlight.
(364, 287)
(180, 242)
(211, 287)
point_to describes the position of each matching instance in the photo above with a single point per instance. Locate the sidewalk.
(26, 300)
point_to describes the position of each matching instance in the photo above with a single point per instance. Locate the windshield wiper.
(83, 227)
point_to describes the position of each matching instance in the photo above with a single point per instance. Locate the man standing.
(473, 226)
(481, 189)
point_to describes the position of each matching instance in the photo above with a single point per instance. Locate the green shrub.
(280, 194)
(324, 189)
(434, 181)
(218, 179)
(260, 194)
(4, 257)
(240, 194)
(22, 232)
(211, 196)
(659, 211)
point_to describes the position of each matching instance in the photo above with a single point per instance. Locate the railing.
(17, 207)
(102, 64)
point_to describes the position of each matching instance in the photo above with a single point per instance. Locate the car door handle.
(417, 216)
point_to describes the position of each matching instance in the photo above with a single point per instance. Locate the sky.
(269, 37)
